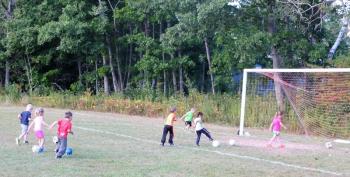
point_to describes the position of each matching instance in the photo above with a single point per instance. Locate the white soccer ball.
(232, 142)
(55, 139)
(216, 143)
(35, 148)
(328, 145)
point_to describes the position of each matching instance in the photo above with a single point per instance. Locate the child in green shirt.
(188, 118)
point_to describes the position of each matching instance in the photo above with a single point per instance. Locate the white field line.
(177, 127)
(219, 152)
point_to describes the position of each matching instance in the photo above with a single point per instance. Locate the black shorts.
(188, 123)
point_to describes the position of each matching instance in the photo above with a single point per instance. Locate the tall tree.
(8, 12)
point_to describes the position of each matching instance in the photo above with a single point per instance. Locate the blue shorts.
(24, 128)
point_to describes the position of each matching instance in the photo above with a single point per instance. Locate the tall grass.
(220, 108)
(10, 94)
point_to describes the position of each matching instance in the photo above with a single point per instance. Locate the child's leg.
(206, 132)
(165, 132)
(272, 139)
(171, 135)
(199, 132)
(62, 147)
(41, 142)
(58, 144)
(187, 125)
(24, 129)
(278, 140)
(25, 137)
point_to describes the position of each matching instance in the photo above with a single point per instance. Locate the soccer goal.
(315, 101)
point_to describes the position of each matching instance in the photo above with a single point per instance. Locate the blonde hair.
(39, 111)
(29, 107)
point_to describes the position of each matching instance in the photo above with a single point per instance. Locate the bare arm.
(30, 127)
(184, 116)
(195, 123)
(70, 130)
(271, 127)
(19, 116)
(283, 126)
(44, 123)
(53, 124)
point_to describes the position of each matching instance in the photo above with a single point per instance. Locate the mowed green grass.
(107, 144)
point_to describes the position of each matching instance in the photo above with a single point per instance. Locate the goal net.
(315, 101)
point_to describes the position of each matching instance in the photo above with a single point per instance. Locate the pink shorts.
(39, 134)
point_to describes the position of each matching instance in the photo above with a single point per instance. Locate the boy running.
(188, 118)
(64, 127)
(200, 129)
(168, 127)
(24, 118)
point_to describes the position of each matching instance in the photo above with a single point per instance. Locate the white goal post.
(325, 78)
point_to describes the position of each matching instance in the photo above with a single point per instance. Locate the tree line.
(167, 46)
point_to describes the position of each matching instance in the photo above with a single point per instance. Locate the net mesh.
(315, 103)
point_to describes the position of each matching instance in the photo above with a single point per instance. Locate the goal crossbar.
(305, 70)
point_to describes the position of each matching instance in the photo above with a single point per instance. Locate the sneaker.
(41, 150)
(282, 146)
(171, 144)
(58, 157)
(17, 141)
(26, 142)
(197, 144)
(162, 144)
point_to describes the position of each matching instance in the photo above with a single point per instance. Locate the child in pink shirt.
(38, 123)
(275, 127)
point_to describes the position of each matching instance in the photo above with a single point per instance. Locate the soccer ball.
(328, 145)
(246, 134)
(216, 143)
(35, 148)
(55, 139)
(232, 142)
(69, 151)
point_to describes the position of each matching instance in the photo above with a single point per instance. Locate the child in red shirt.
(64, 127)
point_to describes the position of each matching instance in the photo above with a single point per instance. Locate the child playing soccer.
(64, 127)
(24, 118)
(38, 123)
(275, 127)
(200, 129)
(188, 118)
(168, 127)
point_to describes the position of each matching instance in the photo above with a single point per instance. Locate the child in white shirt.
(200, 129)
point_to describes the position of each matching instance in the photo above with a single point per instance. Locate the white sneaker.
(17, 141)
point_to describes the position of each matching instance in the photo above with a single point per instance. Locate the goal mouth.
(315, 101)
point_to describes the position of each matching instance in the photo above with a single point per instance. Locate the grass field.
(107, 144)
